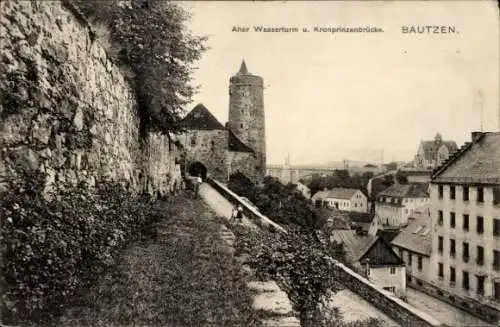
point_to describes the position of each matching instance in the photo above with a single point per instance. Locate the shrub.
(299, 261)
(51, 249)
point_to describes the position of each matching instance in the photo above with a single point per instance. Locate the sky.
(334, 96)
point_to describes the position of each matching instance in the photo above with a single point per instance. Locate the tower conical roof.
(243, 68)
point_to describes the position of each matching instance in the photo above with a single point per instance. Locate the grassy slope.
(181, 275)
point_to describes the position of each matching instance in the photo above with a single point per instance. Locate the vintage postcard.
(249, 163)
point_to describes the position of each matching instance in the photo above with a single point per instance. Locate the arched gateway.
(198, 169)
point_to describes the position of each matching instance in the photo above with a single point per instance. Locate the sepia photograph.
(249, 163)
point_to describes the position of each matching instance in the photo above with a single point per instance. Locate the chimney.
(476, 135)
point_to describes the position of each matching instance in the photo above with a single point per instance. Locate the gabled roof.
(200, 118)
(410, 190)
(341, 193)
(359, 247)
(355, 245)
(236, 145)
(336, 193)
(476, 162)
(416, 237)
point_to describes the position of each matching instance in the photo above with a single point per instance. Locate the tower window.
(241, 125)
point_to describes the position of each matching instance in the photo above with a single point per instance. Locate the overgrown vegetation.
(285, 204)
(183, 276)
(149, 38)
(51, 249)
(300, 263)
(299, 260)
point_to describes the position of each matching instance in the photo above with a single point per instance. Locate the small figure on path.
(239, 212)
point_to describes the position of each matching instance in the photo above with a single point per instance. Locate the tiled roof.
(478, 162)
(416, 237)
(341, 193)
(200, 118)
(236, 145)
(374, 248)
(335, 193)
(410, 190)
(355, 245)
(431, 148)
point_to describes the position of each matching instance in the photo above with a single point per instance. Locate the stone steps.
(270, 299)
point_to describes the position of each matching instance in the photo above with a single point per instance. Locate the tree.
(401, 178)
(149, 38)
(300, 262)
(242, 185)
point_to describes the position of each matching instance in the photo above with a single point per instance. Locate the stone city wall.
(66, 109)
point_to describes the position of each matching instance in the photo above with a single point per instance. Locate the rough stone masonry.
(66, 110)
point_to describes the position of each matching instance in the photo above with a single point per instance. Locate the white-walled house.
(395, 204)
(345, 199)
(373, 258)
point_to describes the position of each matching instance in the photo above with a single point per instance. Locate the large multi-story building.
(465, 213)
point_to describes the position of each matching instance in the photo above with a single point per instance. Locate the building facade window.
(496, 227)
(466, 222)
(452, 219)
(480, 285)
(496, 291)
(452, 276)
(419, 263)
(480, 255)
(440, 270)
(465, 280)
(465, 252)
(496, 195)
(392, 271)
(465, 193)
(452, 192)
(452, 248)
(496, 260)
(440, 217)
(480, 225)
(409, 259)
(440, 244)
(480, 194)
(440, 190)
